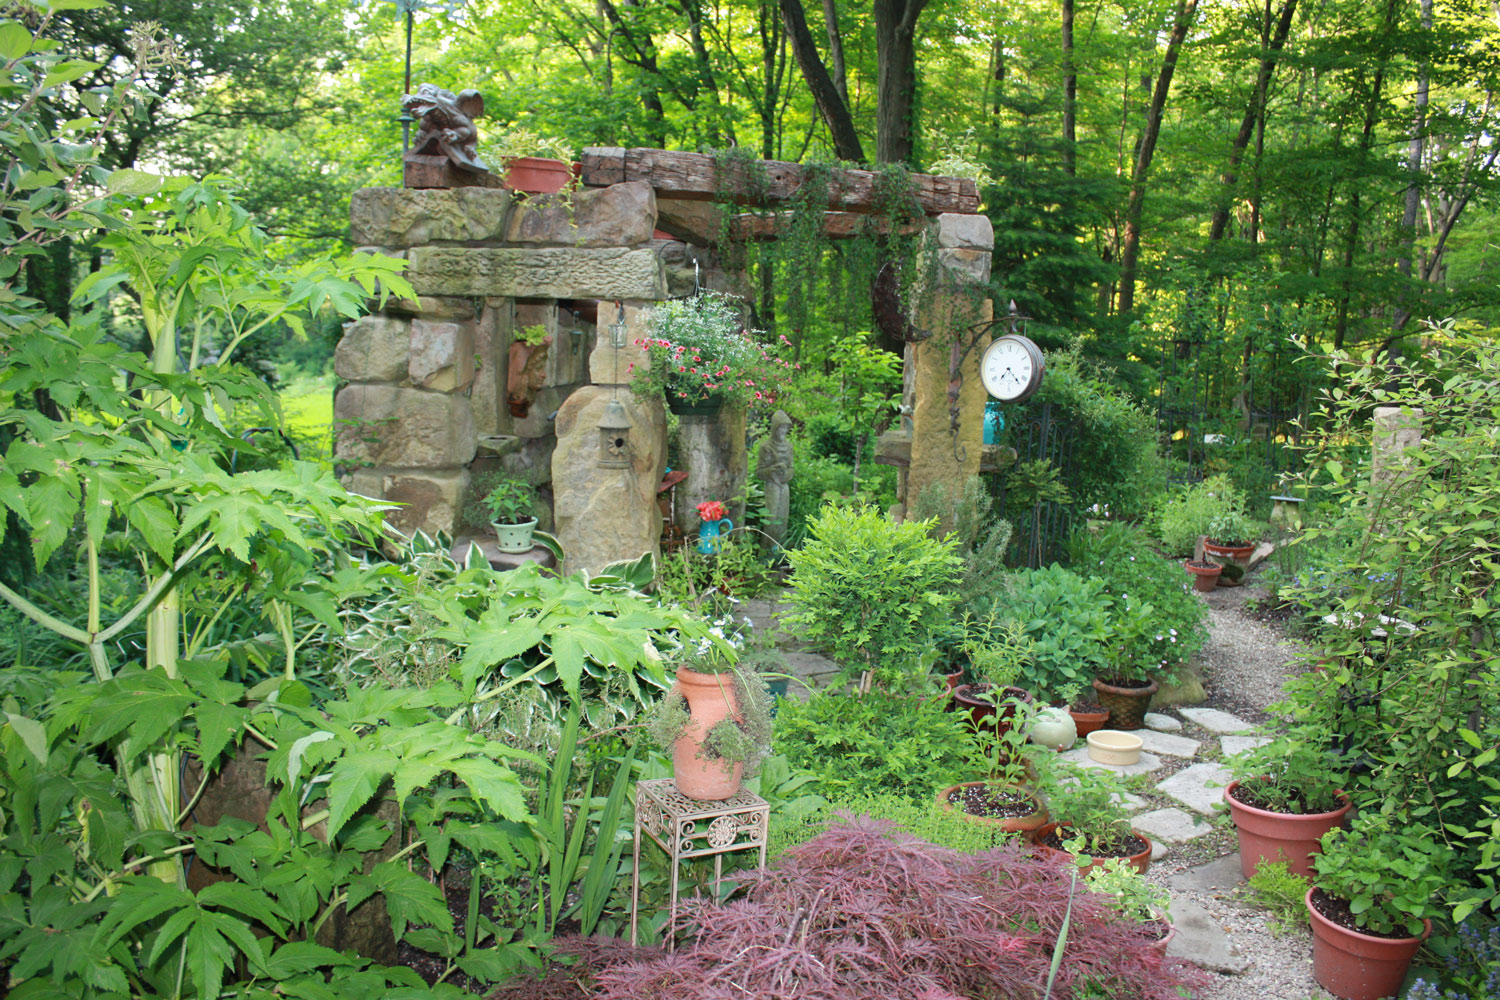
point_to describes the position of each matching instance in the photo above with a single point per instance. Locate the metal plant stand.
(687, 828)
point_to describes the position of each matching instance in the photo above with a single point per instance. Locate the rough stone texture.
(373, 349)
(1201, 940)
(608, 366)
(712, 450)
(543, 273)
(442, 354)
(433, 307)
(965, 266)
(1200, 787)
(1233, 746)
(432, 501)
(386, 425)
(365, 482)
(1395, 431)
(968, 231)
(535, 424)
(1149, 762)
(532, 461)
(607, 514)
(938, 453)
(1171, 825)
(621, 215)
(1167, 743)
(1158, 851)
(572, 339)
(1162, 723)
(1188, 690)
(487, 393)
(1216, 721)
(1215, 876)
(403, 217)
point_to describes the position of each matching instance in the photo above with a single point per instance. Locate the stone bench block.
(373, 349)
(405, 217)
(543, 273)
(393, 426)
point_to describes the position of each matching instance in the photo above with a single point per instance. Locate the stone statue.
(773, 464)
(447, 125)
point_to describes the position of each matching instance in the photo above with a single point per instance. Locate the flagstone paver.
(1233, 746)
(1080, 758)
(1201, 939)
(1216, 721)
(1171, 825)
(1200, 787)
(1168, 743)
(1162, 723)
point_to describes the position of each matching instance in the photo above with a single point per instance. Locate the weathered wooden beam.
(695, 177)
(700, 223)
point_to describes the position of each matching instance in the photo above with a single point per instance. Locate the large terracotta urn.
(711, 700)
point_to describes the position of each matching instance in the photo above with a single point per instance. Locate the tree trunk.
(836, 49)
(896, 79)
(1414, 151)
(1070, 93)
(1187, 10)
(833, 108)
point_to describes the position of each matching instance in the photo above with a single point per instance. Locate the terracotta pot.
(1127, 705)
(1358, 966)
(1140, 862)
(1239, 553)
(535, 175)
(1160, 945)
(1016, 824)
(1272, 836)
(711, 700)
(1205, 575)
(954, 680)
(980, 710)
(1088, 722)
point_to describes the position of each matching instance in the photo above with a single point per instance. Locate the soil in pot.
(1012, 809)
(1127, 699)
(982, 713)
(1266, 834)
(1353, 962)
(1131, 847)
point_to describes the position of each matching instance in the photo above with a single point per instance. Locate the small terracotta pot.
(1160, 945)
(536, 175)
(954, 680)
(1140, 862)
(1239, 553)
(1127, 705)
(1359, 966)
(1205, 575)
(982, 713)
(1088, 722)
(711, 700)
(1272, 836)
(1016, 824)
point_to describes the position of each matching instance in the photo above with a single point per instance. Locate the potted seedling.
(997, 653)
(1088, 818)
(530, 163)
(1284, 798)
(716, 719)
(1145, 903)
(1231, 535)
(1374, 892)
(511, 505)
(1005, 799)
(1140, 654)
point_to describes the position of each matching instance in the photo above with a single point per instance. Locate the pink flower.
(712, 510)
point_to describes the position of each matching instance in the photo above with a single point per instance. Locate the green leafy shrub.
(871, 592)
(1281, 891)
(820, 480)
(880, 742)
(1190, 512)
(1065, 616)
(1390, 879)
(737, 570)
(921, 818)
(510, 501)
(1132, 895)
(1294, 773)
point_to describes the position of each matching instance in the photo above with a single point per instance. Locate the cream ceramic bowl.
(1110, 746)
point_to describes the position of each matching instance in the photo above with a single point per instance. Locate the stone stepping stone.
(1171, 825)
(1158, 851)
(1162, 723)
(1200, 787)
(1211, 878)
(1168, 743)
(1233, 746)
(1080, 758)
(1201, 939)
(1216, 721)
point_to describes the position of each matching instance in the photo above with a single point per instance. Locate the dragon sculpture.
(447, 125)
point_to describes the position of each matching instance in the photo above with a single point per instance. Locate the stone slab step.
(1216, 721)
(1162, 723)
(1168, 743)
(1080, 758)
(1171, 825)
(1200, 787)
(1201, 939)
(1233, 746)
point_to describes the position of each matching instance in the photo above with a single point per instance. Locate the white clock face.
(1010, 370)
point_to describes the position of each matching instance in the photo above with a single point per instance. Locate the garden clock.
(1012, 368)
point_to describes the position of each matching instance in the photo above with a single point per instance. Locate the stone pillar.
(603, 515)
(1395, 430)
(940, 451)
(711, 448)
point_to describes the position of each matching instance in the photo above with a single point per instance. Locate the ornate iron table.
(687, 828)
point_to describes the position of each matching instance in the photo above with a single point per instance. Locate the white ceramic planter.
(1110, 746)
(514, 537)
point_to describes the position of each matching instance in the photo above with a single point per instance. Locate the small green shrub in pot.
(512, 506)
(873, 593)
(1291, 774)
(1129, 893)
(1065, 617)
(1391, 880)
(1188, 515)
(1232, 529)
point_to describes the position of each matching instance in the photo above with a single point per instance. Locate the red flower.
(712, 510)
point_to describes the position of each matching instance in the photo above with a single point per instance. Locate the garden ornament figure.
(773, 463)
(447, 125)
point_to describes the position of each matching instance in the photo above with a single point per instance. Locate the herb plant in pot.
(1135, 899)
(530, 163)
(716, 720)
(1088, 822)
(997, 654)
(1374, 892)
(1005, 799)
(1285, 797)
(1231, 535)
(703, 357)
(1141, 653)
(511, 506)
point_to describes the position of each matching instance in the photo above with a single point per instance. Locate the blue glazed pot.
(709, 532)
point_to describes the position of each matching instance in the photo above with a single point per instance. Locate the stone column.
(603, 515)
(950, 311)
(712, 451)
(1395, 430)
